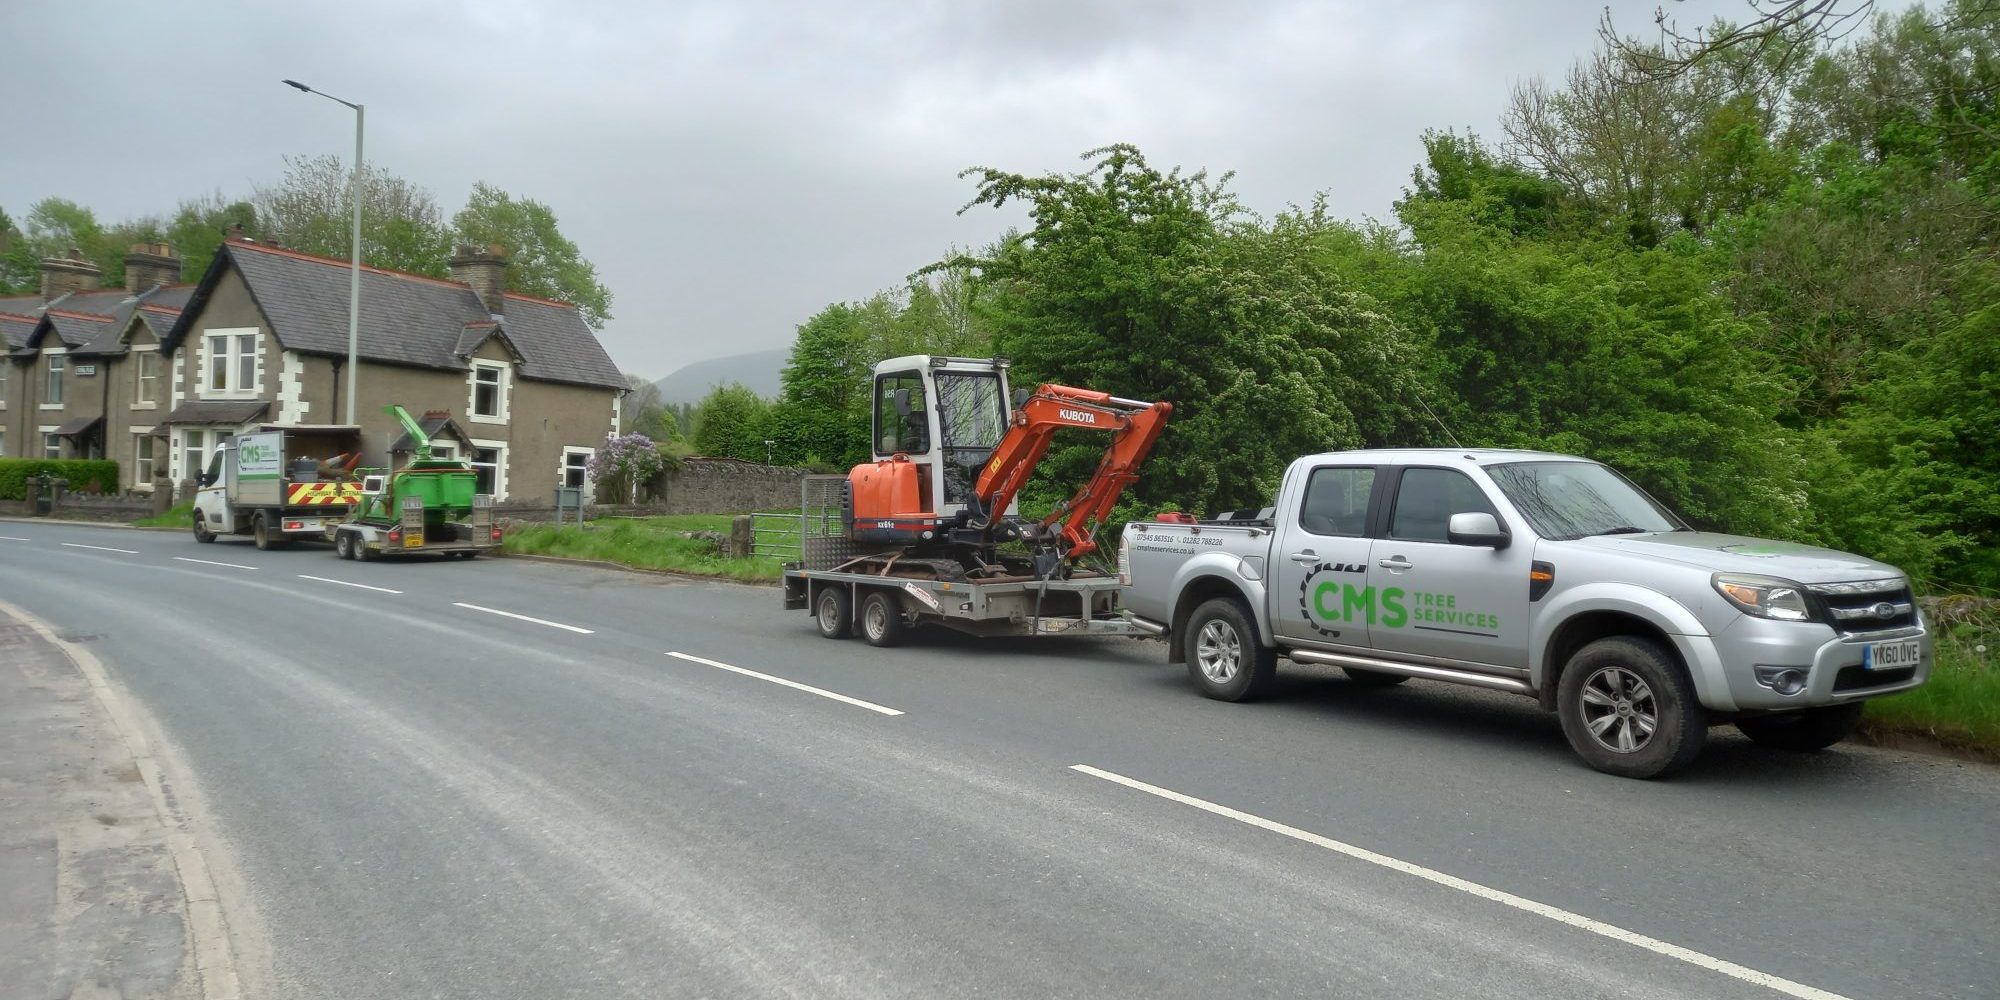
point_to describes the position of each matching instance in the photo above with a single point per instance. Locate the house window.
(54, 394)
(3, 442)
(146, 369)
(191, 453)
(487, 467)
(576, 467)
(4, 365)
(51, 445)
(443, 452)
(142, 460)
(489, 392)
(232, 362)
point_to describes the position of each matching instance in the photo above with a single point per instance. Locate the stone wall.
(89, 507)
(727, 486)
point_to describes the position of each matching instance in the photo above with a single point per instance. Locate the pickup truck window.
(1565, 500)
(1427, 498)
(1336, 501)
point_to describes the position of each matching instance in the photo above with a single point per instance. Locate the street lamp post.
(354, 276)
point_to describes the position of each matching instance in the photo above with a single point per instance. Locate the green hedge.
(82, 474)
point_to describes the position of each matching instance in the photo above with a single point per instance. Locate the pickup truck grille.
(1856, 678)
(1866, 605)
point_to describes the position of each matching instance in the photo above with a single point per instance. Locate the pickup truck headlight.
(1764, 596)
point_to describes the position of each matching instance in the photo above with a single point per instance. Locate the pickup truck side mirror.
(1477, 528)
(208, 479)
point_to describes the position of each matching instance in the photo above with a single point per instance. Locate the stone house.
(158, 374)
(83, 374)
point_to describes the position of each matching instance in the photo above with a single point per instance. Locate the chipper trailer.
(927, 534)
(429, 505)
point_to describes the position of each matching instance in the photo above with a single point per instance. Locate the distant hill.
(758, 371)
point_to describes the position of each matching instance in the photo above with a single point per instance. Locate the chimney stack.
(485, 269)
(63, 275)
(151, 264)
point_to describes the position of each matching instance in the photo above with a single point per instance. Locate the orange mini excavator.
(951, 456)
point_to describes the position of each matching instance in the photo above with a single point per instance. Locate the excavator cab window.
(972, 417)
(902, 421)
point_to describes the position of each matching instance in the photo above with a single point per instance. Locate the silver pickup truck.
(1545, 575)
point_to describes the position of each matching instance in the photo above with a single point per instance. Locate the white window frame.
(3, 442)
(52, 358)
(139, 379)
(445, 450)
(200, 452)
(48, 432)
(504, 373)
(562, 470)
(6, 366)
(232, 359)
(499, 449)
(143, 437)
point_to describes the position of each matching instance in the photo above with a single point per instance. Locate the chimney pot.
(150, 265)
(63, 275)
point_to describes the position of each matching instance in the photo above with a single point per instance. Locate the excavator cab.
(936, 422)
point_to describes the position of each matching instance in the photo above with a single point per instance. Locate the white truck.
(1544, 575)
(279, 482)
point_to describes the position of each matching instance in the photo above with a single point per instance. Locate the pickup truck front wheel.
(1224, 657)
(1812, 729)
(1629, 709)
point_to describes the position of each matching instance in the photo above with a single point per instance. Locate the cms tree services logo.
(1326, 600)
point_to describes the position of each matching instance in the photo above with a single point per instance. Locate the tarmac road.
(497, 779)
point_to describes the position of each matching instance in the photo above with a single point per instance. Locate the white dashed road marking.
(525, 618)
(344, 583)
(1578, 921)
(211, 562)
(101, 548)
(12, 538)
(795, 685)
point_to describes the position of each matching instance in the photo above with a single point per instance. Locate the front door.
(1461, 602)
(1322, 596)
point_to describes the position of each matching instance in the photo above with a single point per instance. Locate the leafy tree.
(1157, 285)
(622, 464)
(311, 209)
(643, 412)
(18, 269)
(732, 422)
(822, 411)
(541, 260)
(201, 224)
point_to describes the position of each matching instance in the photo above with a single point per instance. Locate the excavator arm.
(1135, 427)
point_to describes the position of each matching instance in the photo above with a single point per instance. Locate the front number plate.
(1891, 655)
(413, 541)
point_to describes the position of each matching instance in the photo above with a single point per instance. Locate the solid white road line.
(12, 538)
(101, 548)
(794, 685)
(211, 562)
(344, 583)
(525, 618)
(1598, 927)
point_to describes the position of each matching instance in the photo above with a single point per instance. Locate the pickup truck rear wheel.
(1224, 658)
(1812, 729)
(1629, 709)
(1373, 678)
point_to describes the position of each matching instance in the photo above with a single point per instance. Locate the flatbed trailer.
(884, 594)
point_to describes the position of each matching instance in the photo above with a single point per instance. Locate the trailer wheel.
(361, 549)
(343, 544)
(834, 612)
(882, 622)
(201, 532)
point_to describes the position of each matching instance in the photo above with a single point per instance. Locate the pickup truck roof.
(1479, 456)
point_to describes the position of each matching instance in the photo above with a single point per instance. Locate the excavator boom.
(1135, 426)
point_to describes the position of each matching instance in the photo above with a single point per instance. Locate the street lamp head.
(301, 86)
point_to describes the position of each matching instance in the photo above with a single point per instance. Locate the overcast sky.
(732, 167)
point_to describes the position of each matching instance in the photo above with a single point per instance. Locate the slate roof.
(437, 426)
(217, 411)
(75, 426)
(15, 327)
(407, 319)
(93, 322)
(76, 329)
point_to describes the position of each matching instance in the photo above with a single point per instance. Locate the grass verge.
(644, 543)
(179, 515)
(1960, 705)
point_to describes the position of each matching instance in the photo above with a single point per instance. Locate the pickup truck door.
(1321, 557)
(1461, 602)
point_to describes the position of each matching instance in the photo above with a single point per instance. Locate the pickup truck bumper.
(1832, 662)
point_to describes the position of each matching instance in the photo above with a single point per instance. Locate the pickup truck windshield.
(1564, 500)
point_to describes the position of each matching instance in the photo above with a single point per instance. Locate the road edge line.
(208, 927)
(1665, 949)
